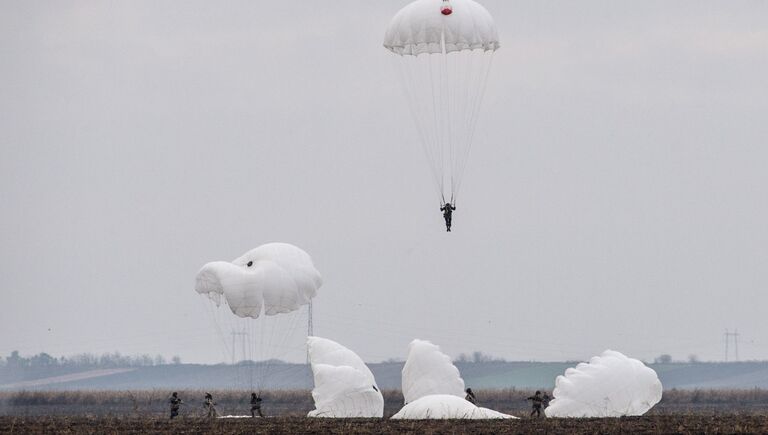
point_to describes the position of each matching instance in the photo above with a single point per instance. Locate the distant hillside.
(485, 375)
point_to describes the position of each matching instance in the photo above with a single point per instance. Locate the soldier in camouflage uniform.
(256, 405)
(536, 400)
(470, 396)
(175, 404)
(210, 406)
(447, 210)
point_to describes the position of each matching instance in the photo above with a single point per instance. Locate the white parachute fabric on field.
(344, 386)
(445, 406)
(428, 371)
(271, 279)
(610, 385)
(443, 62)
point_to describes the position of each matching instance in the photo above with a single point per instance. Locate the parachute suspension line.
(445, 91)
(435, 150)
(483, 71)
(259, 368)
(245, 344)
(436, 106)
(408, 76)
(265, 333)
(447, 107)
(294, 321)
(268, 360)
(214, 316)
(310, 326)
(465, 67)
(461, 97)
(275, 332)
(248, 345)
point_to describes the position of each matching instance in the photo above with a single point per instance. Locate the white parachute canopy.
(264, 292)
(443, 61)
(428, 371)
(421, 28)
(610, 385)
(442, 406)
(273, 278)
(344, 386)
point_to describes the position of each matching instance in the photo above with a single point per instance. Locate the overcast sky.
(616, 196)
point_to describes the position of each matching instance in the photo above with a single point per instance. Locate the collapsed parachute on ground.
(344, 386)
(433, 387)
(442, 406)
(260, 298)
(428, 371)
(271, 279)
(610, 385)
(443, 61)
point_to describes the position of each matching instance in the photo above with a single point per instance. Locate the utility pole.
(310, 326)
(735, 337)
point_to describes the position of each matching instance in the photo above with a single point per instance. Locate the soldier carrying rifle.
(175, 404)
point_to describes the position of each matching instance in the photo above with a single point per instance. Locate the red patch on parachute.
(446, 11)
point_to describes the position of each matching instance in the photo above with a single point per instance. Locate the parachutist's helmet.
(208, 395)
(538, 393)
(174, 394)
(468, 390)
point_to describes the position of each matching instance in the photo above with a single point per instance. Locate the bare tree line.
(86, 360)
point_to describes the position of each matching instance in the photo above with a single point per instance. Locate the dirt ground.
(687, 424)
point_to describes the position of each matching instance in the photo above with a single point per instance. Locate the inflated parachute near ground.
(433, 388)
(610, 385)
(444, 51)
(265, 292)
(344, 386)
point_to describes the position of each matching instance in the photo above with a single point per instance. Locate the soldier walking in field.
(175, 404)
(256, 405)
(470, 396)
(210, 406)
(536, 401)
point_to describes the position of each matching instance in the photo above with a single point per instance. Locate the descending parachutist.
(447, 210)
(444, 102)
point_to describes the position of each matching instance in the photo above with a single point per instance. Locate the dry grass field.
(296, 403)
(106, 412)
